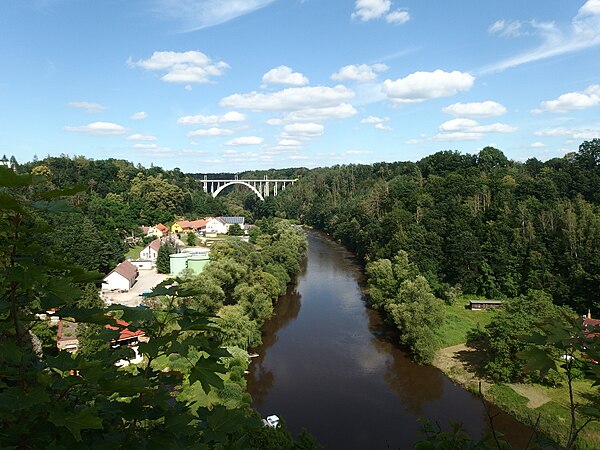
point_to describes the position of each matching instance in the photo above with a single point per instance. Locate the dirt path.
(535, 396)
(458, 363)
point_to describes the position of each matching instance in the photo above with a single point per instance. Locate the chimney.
(589, 314)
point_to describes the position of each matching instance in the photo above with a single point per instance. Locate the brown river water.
(327, 364)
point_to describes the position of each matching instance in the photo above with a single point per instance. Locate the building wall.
(149, 253)
(115, 281)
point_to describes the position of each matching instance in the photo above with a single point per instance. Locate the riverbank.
(536, 406)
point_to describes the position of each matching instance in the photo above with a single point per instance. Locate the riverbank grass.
(459, 320)
(554, 415)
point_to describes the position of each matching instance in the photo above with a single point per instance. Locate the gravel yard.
(146, 280)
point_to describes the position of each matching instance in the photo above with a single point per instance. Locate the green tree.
(418, 314)
(191, 239)
(163, 262)
(235, 230)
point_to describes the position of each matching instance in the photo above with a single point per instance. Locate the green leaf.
(81, 420)
(205, 371)
(537, 359)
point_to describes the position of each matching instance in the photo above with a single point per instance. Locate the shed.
(485, 304)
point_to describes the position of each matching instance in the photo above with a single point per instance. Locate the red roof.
(588, 322)
(162, 228)
(126, 270)
(155, 244)
(125, 333)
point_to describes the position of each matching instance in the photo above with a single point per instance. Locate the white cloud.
(275, 121)
(589, 132)
(462, 129)
(382, 126)
(289, 143)
(537, 145)
(375, 119)
(284, 75)
(292, 99)
(507, 28)
(210, 132)
(98, 129)
(476, 109)
(145, 146)
(182, 67)
(245, 140)
(141, 137)
(571, 101)
(231, 116)
(356, 152)
(302, 130)
(421, 86)
(398, 17)
(359, 72)
(583, 33)
(414, 141)
(90, 107)
(365, 10)
(141, 115)
(198, 14)
(341, 111)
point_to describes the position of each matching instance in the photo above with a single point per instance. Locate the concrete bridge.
(261, 187)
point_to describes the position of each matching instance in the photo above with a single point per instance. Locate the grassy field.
(134, 252)
(459, 320)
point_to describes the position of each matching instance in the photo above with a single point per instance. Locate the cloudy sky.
(215, 85)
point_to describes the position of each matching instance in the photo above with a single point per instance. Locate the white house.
(150, 252)
(216, 225)
(220, 225)
(122, 277)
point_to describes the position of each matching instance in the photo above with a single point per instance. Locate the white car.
(271, 421)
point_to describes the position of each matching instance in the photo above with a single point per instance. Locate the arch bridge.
(261, 187)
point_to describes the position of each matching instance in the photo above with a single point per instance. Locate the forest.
(448, 226)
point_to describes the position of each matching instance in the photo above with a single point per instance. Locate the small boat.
(271, 421)
(253, 355)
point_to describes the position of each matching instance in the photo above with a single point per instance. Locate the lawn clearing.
(460, 319)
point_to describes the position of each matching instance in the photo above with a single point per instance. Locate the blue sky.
(215, 85)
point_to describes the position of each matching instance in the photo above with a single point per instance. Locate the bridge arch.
(252, 188)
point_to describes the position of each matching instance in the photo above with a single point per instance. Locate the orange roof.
(125, 333)
(162, 228)
(200, 223)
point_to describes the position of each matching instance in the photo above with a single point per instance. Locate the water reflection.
(260, 379)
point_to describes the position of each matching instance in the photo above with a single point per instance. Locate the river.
(328, 365)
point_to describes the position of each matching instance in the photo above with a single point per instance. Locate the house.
(129, 338)
(590, 325)
(157, 231)
(66, 337)
(163, 229)
(485, 304)
(178, 227)
(234, 219)
(216, 225)
(121, 278)
(188, 226)
(150, 252)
